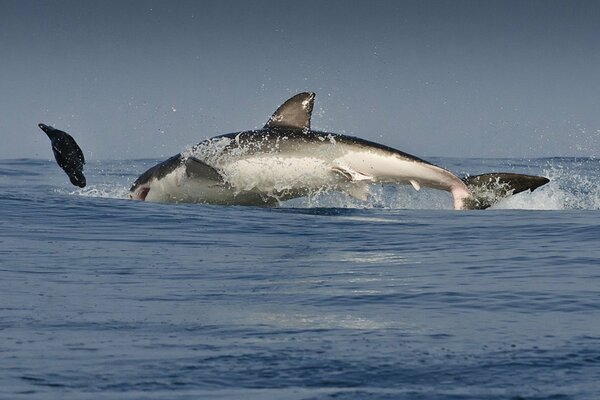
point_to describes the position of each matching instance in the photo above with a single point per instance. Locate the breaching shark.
(286, 159)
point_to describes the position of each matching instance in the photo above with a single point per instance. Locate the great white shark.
(286, 159)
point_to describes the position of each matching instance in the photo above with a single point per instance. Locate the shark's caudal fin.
(487, 189)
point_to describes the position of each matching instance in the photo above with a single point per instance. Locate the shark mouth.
(140, 194)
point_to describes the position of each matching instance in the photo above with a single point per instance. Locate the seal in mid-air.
(67, 153)
(286, 159)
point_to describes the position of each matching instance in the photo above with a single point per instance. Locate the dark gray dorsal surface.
(295, 113)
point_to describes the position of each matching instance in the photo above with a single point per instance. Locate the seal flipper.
(295, 113)
(67, 153)
(488, 189)
(77, 178)
(194, 168)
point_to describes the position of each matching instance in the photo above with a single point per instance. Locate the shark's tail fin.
(487, 189)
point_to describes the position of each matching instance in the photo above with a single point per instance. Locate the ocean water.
(322, 298)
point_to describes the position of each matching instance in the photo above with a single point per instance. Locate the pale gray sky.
(137, 79)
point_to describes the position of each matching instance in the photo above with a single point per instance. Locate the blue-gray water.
(398, 298)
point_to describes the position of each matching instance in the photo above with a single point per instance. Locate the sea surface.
(325, 297)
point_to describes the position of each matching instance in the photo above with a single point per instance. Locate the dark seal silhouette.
(67, 153)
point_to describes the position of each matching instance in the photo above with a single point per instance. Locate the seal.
(67, 153)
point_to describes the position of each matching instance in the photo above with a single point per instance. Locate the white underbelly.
(275, 173)
(390, 168)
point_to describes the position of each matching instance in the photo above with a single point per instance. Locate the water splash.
(107, 191)
(573, 186)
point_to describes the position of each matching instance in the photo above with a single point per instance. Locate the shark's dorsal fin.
(294, 113)
(195, 168)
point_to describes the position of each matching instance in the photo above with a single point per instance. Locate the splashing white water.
(103, 191)
(573, 186)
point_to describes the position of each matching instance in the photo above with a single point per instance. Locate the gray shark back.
(285, 139)
(288, 129)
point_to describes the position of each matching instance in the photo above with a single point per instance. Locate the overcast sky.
(144, 79)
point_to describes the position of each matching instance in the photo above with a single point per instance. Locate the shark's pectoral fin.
(350, 174)
(295, 113)
(415, 184)
(194, 168)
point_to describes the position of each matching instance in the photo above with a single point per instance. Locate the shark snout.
(139, 193)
